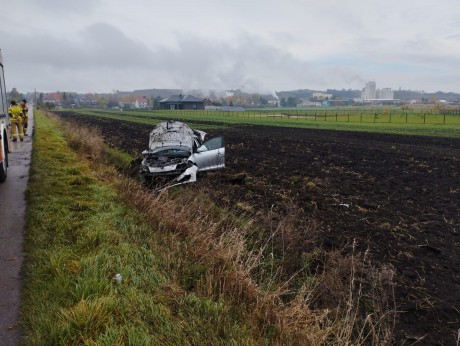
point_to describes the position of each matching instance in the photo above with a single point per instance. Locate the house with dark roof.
(180, 101)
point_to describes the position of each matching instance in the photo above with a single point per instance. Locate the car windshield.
(177, 151)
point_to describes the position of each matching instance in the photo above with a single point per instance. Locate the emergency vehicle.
(4, 126)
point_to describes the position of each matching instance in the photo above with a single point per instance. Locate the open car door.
(210, 155)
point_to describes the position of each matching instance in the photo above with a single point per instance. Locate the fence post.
(444, 118)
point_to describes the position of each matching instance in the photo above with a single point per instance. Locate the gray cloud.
(54, 7)
(105, 45)
(100, 45)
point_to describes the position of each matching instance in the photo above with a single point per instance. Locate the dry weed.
(85, 141)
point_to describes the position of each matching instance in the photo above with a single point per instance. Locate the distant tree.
(102, 101)
(112, 103)
(65, 99)
(50, 105)
(253, 99)
(263, 101)
(15, 95)
(155, 101)
(291, 102)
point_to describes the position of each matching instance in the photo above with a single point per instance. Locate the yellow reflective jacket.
(15, 112)
(24, 110)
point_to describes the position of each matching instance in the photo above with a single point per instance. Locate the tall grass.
(356, 298)
(211, 268)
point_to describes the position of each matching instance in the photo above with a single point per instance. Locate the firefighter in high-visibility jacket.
(25, 115)
(15, 112)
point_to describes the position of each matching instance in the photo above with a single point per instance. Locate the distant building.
(321, 96)
(54, 98)
(337, 103)
(86, 101)
(371, 93)
(176, 102)
(306, 103)
(385, 93)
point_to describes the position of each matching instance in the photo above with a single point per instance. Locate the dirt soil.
(397, 195)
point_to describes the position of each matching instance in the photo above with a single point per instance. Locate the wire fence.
(367, 115)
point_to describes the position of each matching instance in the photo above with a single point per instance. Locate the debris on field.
(188, 176)
(118, 278)
(430, 248)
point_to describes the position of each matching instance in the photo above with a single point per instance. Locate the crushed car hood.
(175, 133)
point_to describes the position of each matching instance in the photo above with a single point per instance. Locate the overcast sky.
(258, 46)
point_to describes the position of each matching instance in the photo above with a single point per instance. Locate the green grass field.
(393, 121)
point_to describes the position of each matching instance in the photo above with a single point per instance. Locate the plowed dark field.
(397, 195)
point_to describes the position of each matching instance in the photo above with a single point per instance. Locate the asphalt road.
(12, 226)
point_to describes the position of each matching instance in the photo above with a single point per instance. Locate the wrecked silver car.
(173, 147)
